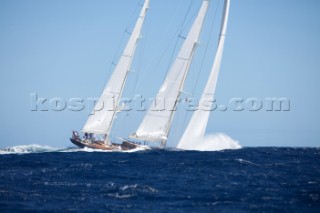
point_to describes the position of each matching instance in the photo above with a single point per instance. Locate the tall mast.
(156, 123)
(101, 119)
(198, 123)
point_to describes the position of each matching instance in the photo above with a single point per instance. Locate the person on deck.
(75, 135)
(91, 136)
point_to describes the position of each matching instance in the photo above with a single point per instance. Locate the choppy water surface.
(244, 180)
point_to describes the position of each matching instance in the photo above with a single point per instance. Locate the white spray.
(214, 142)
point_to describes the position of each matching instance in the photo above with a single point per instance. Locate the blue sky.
(65, 49)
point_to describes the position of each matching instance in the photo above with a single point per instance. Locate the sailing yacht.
(156, 124)
(101, 120)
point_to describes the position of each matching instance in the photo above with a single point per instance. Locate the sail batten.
(199, 120)
(156, 124)
(101, 119)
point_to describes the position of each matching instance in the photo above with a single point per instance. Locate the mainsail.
(198, 123)
(156, 123)
(103, 115)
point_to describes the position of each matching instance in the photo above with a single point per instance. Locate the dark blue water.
(245, 180)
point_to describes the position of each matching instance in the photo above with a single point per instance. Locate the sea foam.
(213, 142)
(25, 149)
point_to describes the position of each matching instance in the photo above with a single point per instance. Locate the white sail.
(198, 123)
(101, 119)
(156, 123)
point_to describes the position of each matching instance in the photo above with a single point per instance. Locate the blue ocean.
(242, 180)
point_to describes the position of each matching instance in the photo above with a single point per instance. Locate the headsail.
(156, 123)
(100, 121)
(198, 123)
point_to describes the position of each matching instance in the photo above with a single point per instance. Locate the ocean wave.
(246, 162)
(132, 190)
(26, 149)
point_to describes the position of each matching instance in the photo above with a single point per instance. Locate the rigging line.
(167, 47)
(206, 49)
(124, 115)
(114, 116)
(126, 31)
(179, 36)
(132, 20)
(179, 125)
(181, 86)
(118, 52)
(119, 124)
(191, 17)
(141, 53)
(164, 52)
(115, 57)
(137, 74)
(202, 62)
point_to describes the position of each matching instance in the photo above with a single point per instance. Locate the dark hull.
(126, 145)
(77, 143)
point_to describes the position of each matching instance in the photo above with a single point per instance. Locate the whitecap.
(26, 149)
